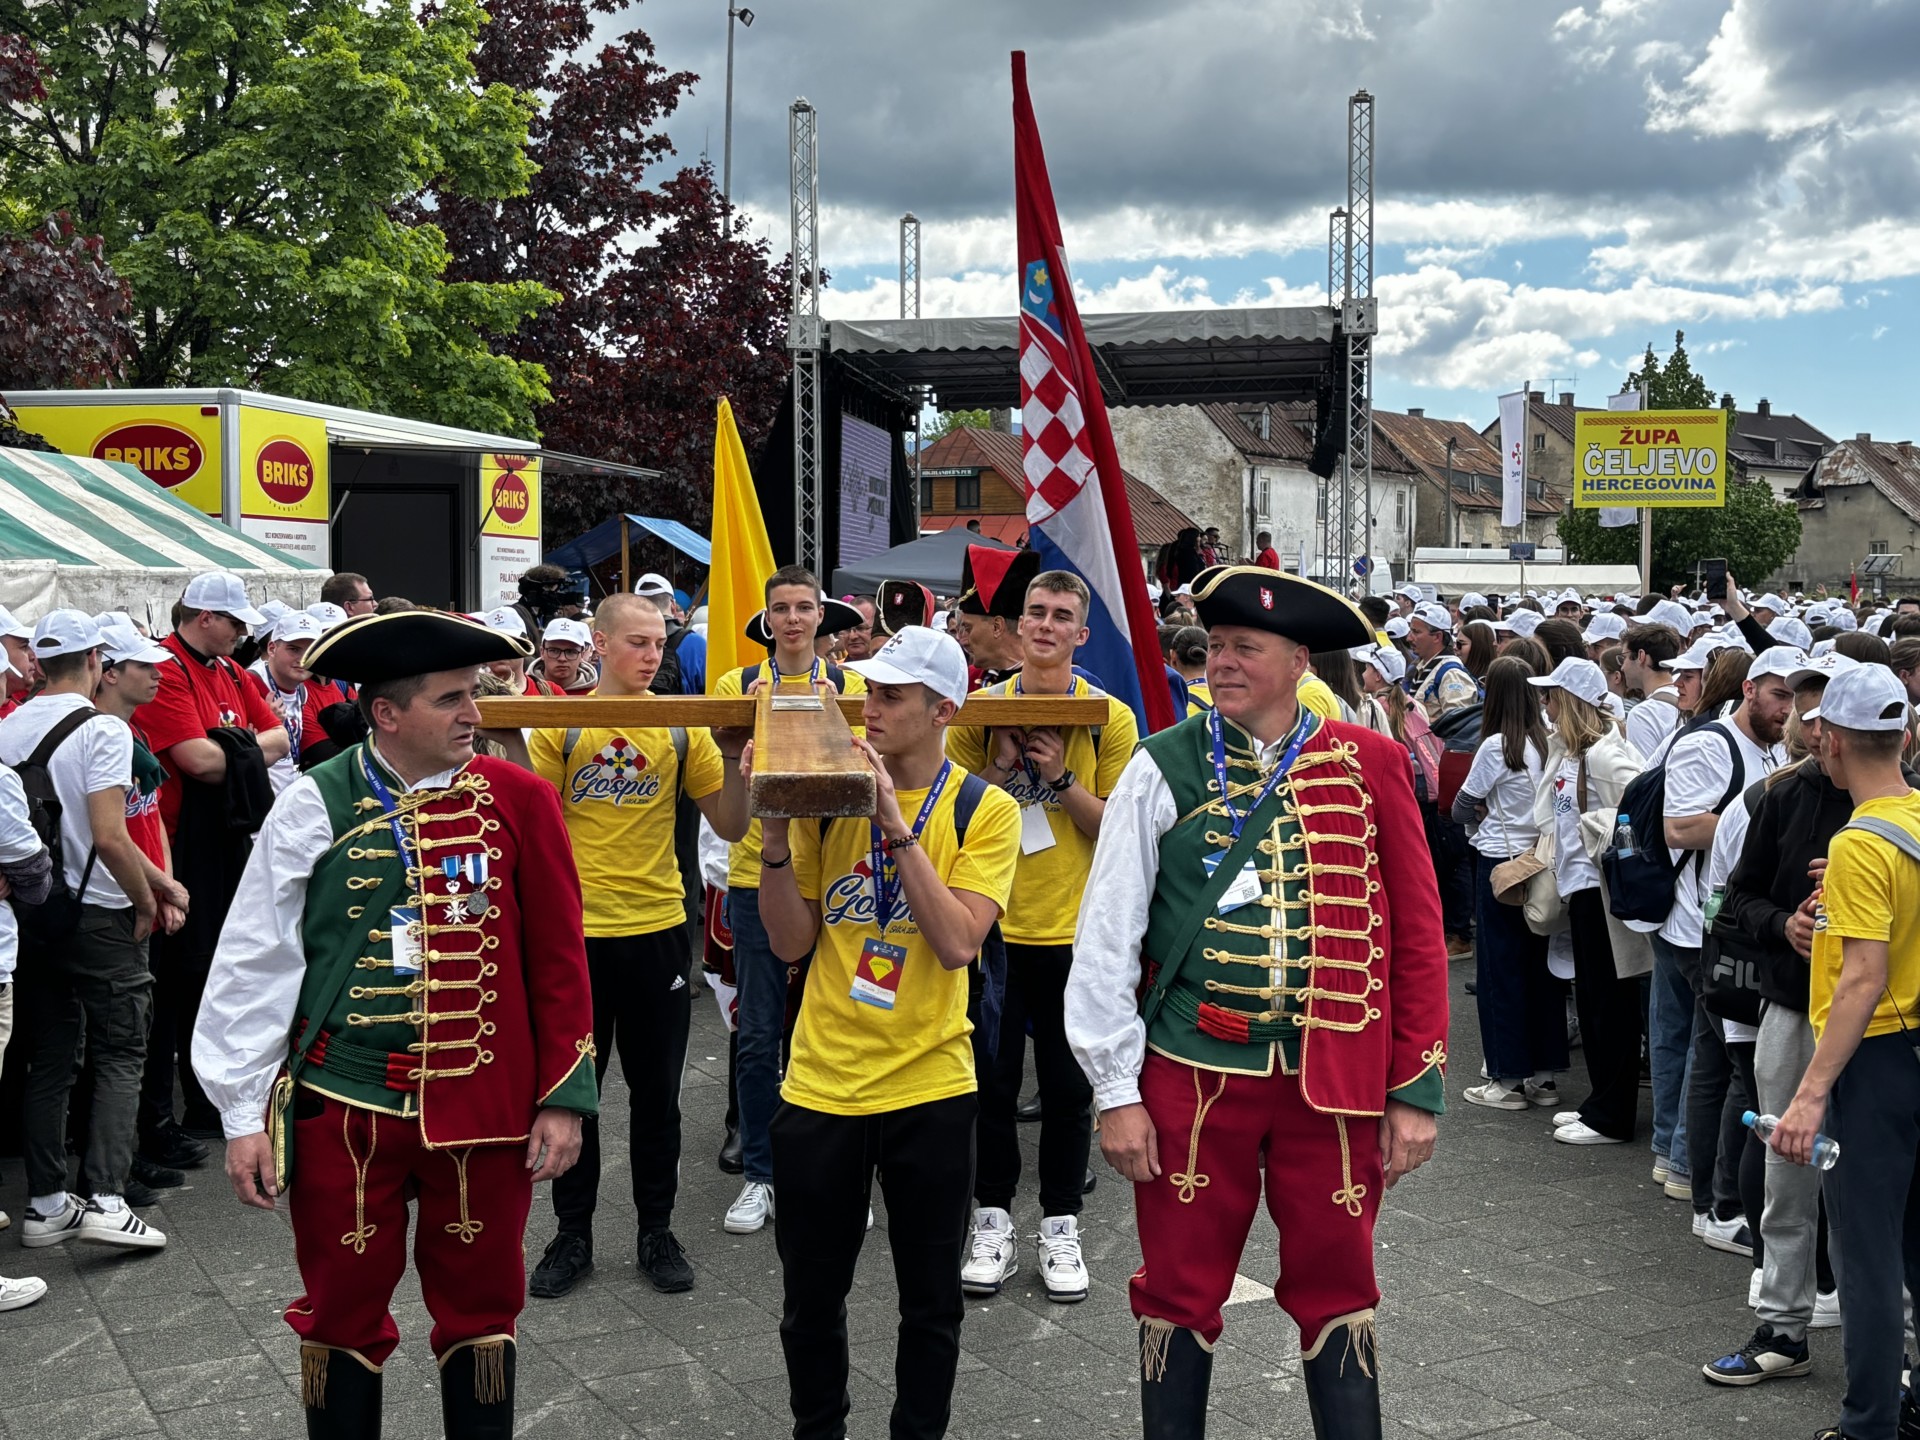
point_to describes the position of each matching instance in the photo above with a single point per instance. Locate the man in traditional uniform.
(992, 599)
(1266, 866)
(398, 1007)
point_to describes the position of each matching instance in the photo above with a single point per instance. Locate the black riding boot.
(1175, 1373)
(1343, 1385)
(476, 1391)
(341, 1393)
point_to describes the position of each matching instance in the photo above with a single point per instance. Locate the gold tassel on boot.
(490, 1372)
(313, 1376)
(1155, 1336)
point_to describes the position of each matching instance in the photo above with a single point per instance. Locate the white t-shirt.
(1508, 829)
(18, 841)
(289, 707)
(1651, 721)
(1697, 777)
(1572, 869)
(98, 756)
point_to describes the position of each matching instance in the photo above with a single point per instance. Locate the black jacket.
(1795, 822)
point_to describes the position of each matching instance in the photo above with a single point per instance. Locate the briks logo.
(619, 773)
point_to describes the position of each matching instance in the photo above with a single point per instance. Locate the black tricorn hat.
(1263, 599)
(835, 616)
(902, 603)
(994, 581)
(369, 649)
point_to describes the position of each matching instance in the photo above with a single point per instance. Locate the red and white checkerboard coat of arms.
(1266, 598)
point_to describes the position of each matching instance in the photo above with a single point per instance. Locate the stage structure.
(803, 332)
(1346, 504)
(910, 310)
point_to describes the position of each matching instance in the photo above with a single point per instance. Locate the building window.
(926, 495)
(1539, 439)
(1400, 508)
(1876, 547)
(1263, 496)
(966, 492)
(1536, 489)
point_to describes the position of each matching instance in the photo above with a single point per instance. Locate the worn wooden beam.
(804, 762)
(555, 712)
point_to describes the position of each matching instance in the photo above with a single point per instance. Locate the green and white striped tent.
(97, 535)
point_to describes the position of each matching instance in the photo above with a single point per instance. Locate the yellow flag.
(742, 555)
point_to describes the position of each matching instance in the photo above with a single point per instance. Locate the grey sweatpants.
(1790, 1227)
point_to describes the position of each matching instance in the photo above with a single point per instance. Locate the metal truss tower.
(910, 310)
(1347, 499)
(804, 333)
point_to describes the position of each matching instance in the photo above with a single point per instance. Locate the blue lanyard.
(886, 875)
(1303, 731)
(1026, 764)
(813, 672)
(387, 802)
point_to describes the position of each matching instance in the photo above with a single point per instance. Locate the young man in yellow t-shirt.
(1061, 780)
(882, 1069)
(618, 789)
(796, 613)
(1863, 1085)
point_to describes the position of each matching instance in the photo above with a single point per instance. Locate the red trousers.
(353, 1173)
(1217, 1135)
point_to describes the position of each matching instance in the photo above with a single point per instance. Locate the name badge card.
(1035, 833)
(407, 935)
(1244, 890)
(876, 979)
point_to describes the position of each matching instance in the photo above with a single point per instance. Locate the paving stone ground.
(1533, 1291)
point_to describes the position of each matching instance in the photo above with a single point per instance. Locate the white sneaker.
(5, 1220)
(995, 1255)
(120, 1228)
(1660, 1170)
(1565, 1117)
(1753, 1290)
(751, 1209)
(1731, 1236)
(1546, 1094)
(1496, 1096)
(18, 1294)
(1581, 1133)
(53, 1229)
(1061, 1266)
(1826, 1311)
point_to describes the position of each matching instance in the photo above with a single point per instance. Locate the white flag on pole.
(1513, 458)
(1617, 517)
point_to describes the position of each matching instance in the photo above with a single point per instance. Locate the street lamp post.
(745, 17)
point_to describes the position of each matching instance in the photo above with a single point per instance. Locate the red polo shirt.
(197, 696)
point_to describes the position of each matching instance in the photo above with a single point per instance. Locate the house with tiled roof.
(1779, 449)
(972, 475)
(1458, 468)
(1861, 498)
(1243, 468)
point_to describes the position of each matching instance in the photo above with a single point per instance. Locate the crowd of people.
(1673, 834)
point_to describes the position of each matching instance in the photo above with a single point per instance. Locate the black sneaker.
(733, 1154)
(665, 1262)
(160, 1177)
(1766, 1356)
(173, 1147)
(139, 1196)
(568, 1258)
(1909, 1416)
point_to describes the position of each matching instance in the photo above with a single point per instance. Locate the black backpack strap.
(57, 736)
(749, 674)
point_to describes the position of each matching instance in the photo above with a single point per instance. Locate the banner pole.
(1646, 552)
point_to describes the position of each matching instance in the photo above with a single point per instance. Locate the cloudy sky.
(1556, 184)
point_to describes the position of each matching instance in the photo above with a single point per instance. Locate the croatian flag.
(1077, 510)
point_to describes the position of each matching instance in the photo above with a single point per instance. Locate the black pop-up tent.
(933, 561)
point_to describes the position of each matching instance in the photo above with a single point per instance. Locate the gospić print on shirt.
(849, 900)
(620, 772)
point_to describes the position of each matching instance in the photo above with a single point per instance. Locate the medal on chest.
(466, 877)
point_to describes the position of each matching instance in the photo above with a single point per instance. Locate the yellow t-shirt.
(743, 856)
(618, 795)
(1316, 695)
(1872, 892)
(1046, 884)
(851, 1057)
(1199, 698)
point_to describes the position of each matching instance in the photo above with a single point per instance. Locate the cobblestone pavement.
(1533, 1291)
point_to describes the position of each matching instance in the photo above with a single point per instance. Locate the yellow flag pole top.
(742, 554)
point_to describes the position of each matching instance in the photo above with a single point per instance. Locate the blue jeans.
(1523, 1009)
(762, 979)
(1670, 1049)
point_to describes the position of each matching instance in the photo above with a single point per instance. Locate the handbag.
(1527, 880)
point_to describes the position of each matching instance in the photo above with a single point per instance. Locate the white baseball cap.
(1397, 627)
(327, 613)
(65, 632)
(1698, 655)
(1823, 663)
(1772, 602)
(124, 643)
(1790, 631)
(1672, 614)
(1520, 622)
(12, 628)
(1473, 599)
(1577, 677)
(1569, 596)
(297, 625)
(653, 583)
(1391, 664)
(917, 655)
(1604, 626)
(273, 609)
(1867, 697)
(567, 632)
(1786, 661)
(218, 591)
(1412, 592)
(506, 620)
(1433, 615)
(1844, 619)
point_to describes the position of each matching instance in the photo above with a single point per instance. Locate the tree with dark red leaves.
(660, 314)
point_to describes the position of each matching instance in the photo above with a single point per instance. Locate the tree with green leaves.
(949, 421)
(1756, 533)
(244, 163)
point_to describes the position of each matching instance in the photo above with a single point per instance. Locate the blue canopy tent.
(615, 536)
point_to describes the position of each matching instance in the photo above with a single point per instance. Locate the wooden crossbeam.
(558, 712)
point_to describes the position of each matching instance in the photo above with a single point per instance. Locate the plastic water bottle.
(1623, 836)
(1825, 1152)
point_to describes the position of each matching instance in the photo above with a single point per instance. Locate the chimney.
(1566, 398)
(1864, 437)
(1002, 421)
(1413, 414)
(1726, 401)
(1537, 397)
(1765, 410)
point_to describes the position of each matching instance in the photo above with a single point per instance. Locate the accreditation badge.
(876, 979)
(407, 936)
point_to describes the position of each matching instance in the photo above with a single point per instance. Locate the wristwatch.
(1063, 784)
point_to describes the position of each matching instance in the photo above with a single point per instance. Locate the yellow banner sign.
(176, 446)
(1652, 459)
(510, 495)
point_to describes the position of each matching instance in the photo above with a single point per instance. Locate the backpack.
(1641, 884)
(1453, 662)
(58, 916)
(1730, 961)
(666, 680)
(1458, 734)
(1425, 747)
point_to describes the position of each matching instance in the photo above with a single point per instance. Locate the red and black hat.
(1263, 599)
(901, 603)
(994, 581)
